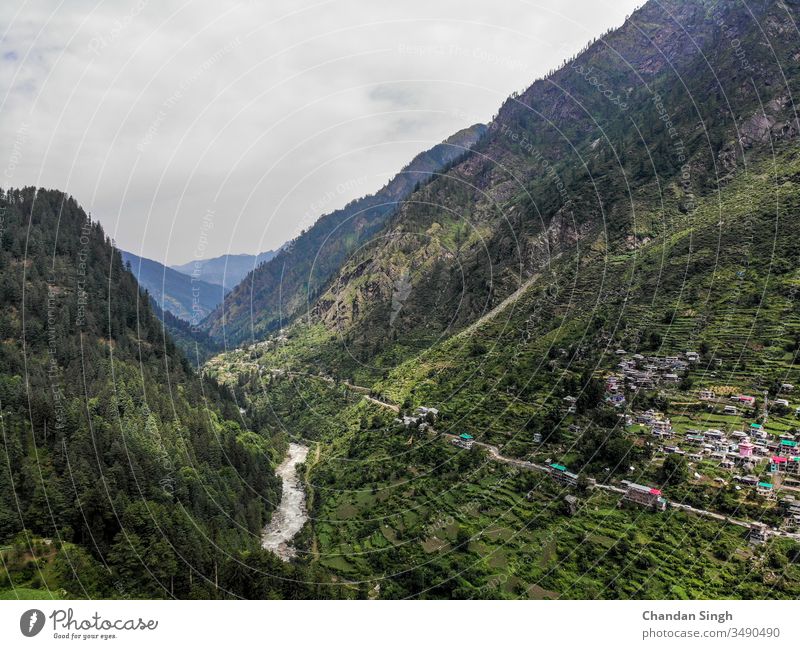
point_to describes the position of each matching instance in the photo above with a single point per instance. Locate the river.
(290, 516)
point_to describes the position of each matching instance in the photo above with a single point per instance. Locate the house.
(644, 496)
(781, 402)
(560, 473)
(730, 410)
(661, 427)
(616, 399)
(464, 440)
(777, 464)
(744, 399)
(793, 465)
(726, 464)
(707, 395)
(696, 457)
(758, 533)
(746, 449)
(424, 412)
(765, 489)
(646, 417)
(537, 438)
(747, 479)
(791, 506)
(787, 387)
(787, 447)
(692, 357)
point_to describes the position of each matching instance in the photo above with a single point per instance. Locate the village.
(740, 449)
(762, 464)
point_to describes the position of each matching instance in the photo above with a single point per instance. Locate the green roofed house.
(464, 440)
(765, 489)
(560, 473)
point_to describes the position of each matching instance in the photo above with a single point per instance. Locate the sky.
(196, 129)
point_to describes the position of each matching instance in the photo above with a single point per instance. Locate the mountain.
(122, 474)
(566, 168)
(225, 270)
(188, 298)
(278, 290)
(620, 245)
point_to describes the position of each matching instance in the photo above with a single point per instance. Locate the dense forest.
(142, 479)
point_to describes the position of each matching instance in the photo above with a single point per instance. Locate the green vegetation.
(121, 473)
(500, 294)
(505, 293)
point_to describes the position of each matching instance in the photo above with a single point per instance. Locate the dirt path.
(509, 301)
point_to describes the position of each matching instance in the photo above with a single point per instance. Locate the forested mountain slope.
(603, 153)
(186, 297)
(635, 209)
(140, 476)
(280, 289)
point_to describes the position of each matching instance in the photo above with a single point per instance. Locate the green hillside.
(122, 474)
(593, 267)
(285, 286)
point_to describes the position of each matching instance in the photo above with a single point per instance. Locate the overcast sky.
(199, 128)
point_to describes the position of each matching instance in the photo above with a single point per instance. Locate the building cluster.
(659, 425)
(640, 372)
(422, 418)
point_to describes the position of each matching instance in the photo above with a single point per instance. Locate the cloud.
(154, 115)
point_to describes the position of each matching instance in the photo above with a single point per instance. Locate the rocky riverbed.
(291, 514)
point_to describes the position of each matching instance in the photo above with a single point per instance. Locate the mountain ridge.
(225, 270)
(187, 298)
(269, 296)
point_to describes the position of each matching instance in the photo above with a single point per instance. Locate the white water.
(291, 514)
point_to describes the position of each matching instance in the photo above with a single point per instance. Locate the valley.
(555, 356)
(610, 354)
